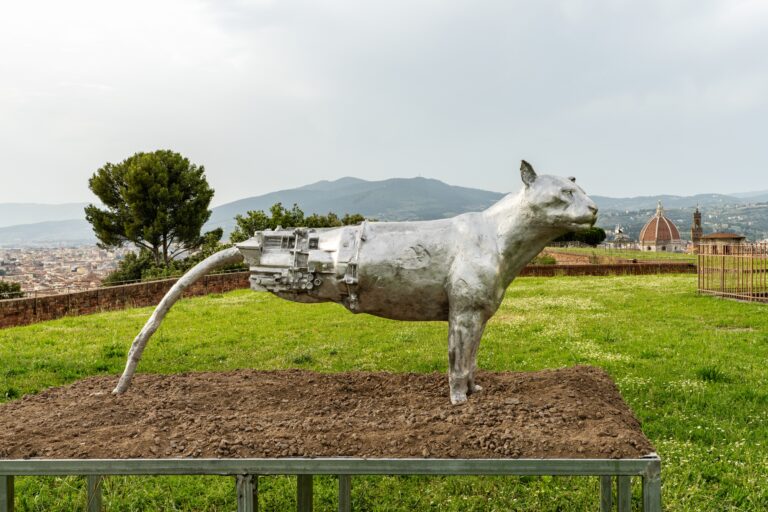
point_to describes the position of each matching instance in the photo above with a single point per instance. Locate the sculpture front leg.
(464, 332)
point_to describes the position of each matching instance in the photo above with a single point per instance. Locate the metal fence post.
(652, 488)
(606, 493)
(6, 493)
(624, 493)
(247, 493)
(304, 493)
(94, 493)
(345, 493)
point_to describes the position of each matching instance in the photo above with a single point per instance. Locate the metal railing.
(738, 271)
(614, 474)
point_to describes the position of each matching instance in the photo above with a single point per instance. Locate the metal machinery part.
(306, 264)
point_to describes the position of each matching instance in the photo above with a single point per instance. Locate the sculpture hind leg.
(465, 329)
(219, 259)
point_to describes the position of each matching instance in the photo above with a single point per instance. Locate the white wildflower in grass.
(590, 350)
(687, 385)
(572, 303)
(633, 382)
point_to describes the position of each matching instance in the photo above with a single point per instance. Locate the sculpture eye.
(568, 193)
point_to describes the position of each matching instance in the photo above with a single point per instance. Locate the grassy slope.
(626, 254)
(693, 369)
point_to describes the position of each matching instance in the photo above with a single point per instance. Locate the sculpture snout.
(592, 207)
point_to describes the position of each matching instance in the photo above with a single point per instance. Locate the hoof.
(458, 399)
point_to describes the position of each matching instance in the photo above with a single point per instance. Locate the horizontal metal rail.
(327, 466)
(247, 471)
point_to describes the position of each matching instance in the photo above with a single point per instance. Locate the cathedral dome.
(659, 230)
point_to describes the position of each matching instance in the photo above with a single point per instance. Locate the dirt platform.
(572, 412)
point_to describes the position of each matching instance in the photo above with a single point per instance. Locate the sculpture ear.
(527, 173)
(572, 178)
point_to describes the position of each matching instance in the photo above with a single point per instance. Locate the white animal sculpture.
(453, 269)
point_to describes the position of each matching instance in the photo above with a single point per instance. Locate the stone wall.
(37, 309)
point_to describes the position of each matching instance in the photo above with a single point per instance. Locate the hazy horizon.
(215, 203)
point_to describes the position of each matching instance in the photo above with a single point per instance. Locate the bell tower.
(696, 230)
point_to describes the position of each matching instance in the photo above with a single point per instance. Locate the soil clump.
(565, 413)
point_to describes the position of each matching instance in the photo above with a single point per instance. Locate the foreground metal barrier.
(246, 472)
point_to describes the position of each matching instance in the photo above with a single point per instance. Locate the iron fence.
(738, 271)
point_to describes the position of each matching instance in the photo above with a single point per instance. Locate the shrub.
(9, 290)
(544, 259)
(712, 374)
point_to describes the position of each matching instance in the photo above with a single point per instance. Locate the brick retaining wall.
(37, 309)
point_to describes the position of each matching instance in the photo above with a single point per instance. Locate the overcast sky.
(633, 98)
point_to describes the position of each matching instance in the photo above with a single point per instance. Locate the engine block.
(306, 264)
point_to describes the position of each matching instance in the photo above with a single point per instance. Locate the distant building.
(660, 234)
(696, 230)
(721, 242)
(620, 240)
(718, 242)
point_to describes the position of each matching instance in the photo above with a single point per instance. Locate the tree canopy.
(590, 236)
(142, 266)
(254, 221)
(10, 290)
(157, 201)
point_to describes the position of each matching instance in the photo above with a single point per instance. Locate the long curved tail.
(219, 259)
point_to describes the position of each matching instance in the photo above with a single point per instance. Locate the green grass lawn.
(625, 254)
(693, 368)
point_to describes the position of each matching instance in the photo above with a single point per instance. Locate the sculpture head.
(557, 202)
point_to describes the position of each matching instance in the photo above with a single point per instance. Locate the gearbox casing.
(306, 264)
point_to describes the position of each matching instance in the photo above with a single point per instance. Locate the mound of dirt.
(573, 412)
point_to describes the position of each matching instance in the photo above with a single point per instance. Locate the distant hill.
(400, 199)
(12, 214)
(746, 214)
(650, 202)
(760, 196)
(750, 220)
(48, 234)
(393, 199)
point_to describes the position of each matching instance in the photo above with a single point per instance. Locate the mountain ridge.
(416, 198)
(390, 199)
(52, 233)
(17, 213)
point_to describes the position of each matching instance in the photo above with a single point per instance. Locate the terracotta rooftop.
(723, 236)
(659, 228)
